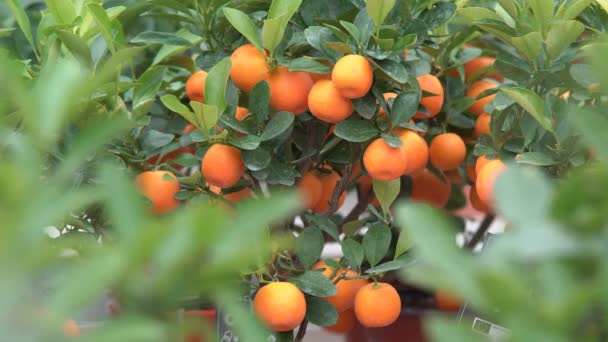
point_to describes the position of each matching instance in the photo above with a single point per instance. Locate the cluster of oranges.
(281, 306)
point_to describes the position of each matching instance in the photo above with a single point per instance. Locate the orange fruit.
(377, 305)
(310, 189)
(346, 290)
(476, 88)
(317, 77)
(480, 163)
(289, 90)
(161, 192)
(428, 188)
(241, 113)
(353, 76)
(346, 321)
(486, 180)
(447, 151)
(478, 63)
(384, 162)
(446, 301)
(327, 104)
(482, 125)
(280, 306)
(453, 176)
(476, 202)
(195, 86)
(328, 184)
(432, 104)
(248, 67)
(416, 150)
(233, 197)
(222, 165)
(471, 174)
(71, 328)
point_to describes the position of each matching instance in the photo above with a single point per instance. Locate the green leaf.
(278, 173)
(309, 65)
(186, 160)
(475, 14)
(352, 29)
(215, 85)
(162, 38)
(147, 85)
(404, 107)
(391, 140)
(405, 42)
(561, 35)
(529, 44)
(257, 159)
(279, 14)
(244, 25)
(258, 101)
(394, 70)
(439, 14)
(593, 127)
(353, 252)
(535, 158)
(532, 103)
(378, 10)
(320, 312)
(309, 245)
(376, 243)
(387, 192)
(404, 243)
(155, 139)
(387, 266)
(356, 130)
(583, 74)
(22, 20)
(325, 224)
(569, 10)
(63, 11)
(103, 21)
(248, 142)
(314, 283)
(278, 124)
(77, 47)
(174, 105)
(366, 106)
(543, 12)
(340, 47)
(167, 51)
(206, 115)
(350, 228)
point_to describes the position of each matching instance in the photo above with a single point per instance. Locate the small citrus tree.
(214, 110)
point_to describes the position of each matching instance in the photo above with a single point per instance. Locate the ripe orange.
(327, 104)
(222, 165)
(447, 151)
(189, 128)
(477, 108)
(416, 150)
(241, 113)
(432, 104)
(384, 162)
(346, 290)
(328, 184)
(310, 189)
(427, 188)
(353, 76)
(160, 192)
(480, 163)
(346, 321)
(71, 328)
(377, 305)
(471, 174)
(476, 202)
(280, 306)
(446, 301)
(195, 86)
(482, 125)
(478, 63)
(233, 197)
(486, 180)
(289, 90)
(248, 67)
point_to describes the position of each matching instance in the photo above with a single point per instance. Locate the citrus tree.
(213, 148)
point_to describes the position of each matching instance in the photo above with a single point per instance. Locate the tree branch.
(481, 231)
